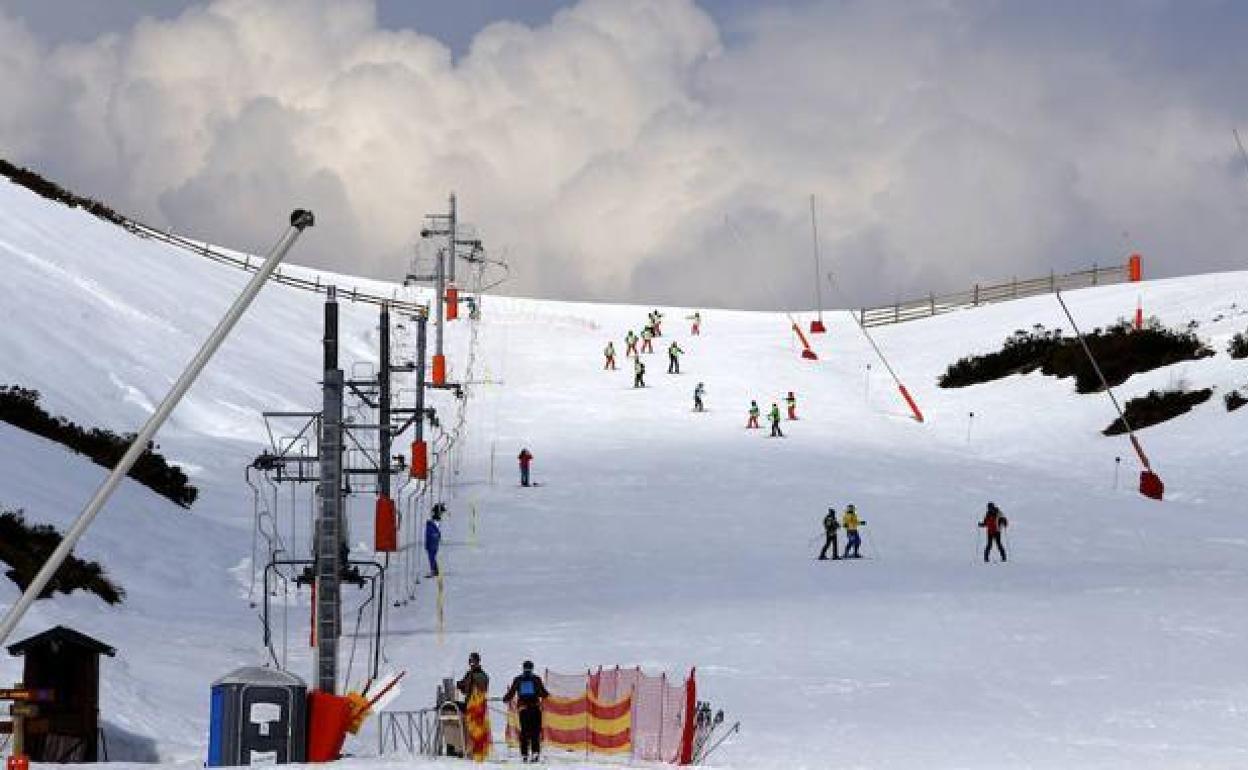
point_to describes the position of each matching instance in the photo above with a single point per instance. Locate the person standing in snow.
(853, 541)
(698, 393)
(639, 373)
(994, 522)
(528, 692)
(673, 358)
(753, 421)
(830, 526)
(474, 679)
(774, 416)
(630, 344)
(609, 352)
(433, 537)
(696, 328)
(791, 401)
(647, 339)
(525, 458)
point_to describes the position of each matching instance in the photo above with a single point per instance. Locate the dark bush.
(1157, 407)
(1120, 350)
(52, 191)
(20, 407)
(25, 547)
(1234, 400)
(1239, 346)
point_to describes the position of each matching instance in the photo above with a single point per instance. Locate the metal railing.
(935, 304)
(417, 733)
(251, 264)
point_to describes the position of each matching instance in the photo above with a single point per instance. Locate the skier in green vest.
(673, 358)
(774, 416)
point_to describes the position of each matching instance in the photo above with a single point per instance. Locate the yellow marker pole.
(441, 609)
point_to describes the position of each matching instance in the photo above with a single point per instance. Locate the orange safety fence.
(618, 711)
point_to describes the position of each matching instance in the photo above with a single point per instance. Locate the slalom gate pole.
(1151, 485)
(300, 219)
(1117, 465)
(905, 394)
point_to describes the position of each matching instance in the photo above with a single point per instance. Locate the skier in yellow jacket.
(851, 523)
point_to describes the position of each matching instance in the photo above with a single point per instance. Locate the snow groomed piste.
(658, 535)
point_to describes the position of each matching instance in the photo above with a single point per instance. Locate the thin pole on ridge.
(816, 326)
(300, 219)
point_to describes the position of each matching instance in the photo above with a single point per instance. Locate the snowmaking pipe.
(1135, 443)
(905, 394)
(807, 351)
(300, 219)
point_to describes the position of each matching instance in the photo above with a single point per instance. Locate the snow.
(669, 539)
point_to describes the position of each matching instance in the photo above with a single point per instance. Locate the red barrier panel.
(328, 719)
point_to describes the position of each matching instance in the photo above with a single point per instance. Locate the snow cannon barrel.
(807, 353)
(386, 526)
(452, 303)
(329, 717)
(439, 369)
(1135, 268)
(1151, 485)
(420, 460)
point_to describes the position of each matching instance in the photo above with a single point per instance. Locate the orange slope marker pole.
(1150, 483)
(901, 388)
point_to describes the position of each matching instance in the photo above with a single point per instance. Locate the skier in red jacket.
(994, 522)
(525, 458)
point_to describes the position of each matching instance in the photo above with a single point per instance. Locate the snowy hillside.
(1114, 637)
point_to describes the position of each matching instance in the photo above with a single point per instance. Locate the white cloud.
(607, 148)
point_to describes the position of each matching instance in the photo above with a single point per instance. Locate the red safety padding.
(420, 460)
(386, 526)
(452, 303)
(328, 719)
(439, 370)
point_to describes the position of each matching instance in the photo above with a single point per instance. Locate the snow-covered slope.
(671, 539)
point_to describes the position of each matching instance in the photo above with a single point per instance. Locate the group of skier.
(773, 415)
(635, 345)
(993, 523)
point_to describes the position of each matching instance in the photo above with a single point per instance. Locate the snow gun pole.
(807, 352)
(1135, 442)
(299, 220)
(816, 326)
(1242, 152)
(905, 394)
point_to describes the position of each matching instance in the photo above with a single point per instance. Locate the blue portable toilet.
(258, 717)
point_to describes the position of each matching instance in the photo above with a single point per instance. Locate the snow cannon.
(807, 353)
(329, 717)
(420, 460)
(386, 526)
(817, 327)
(439, 369)
(452, 303)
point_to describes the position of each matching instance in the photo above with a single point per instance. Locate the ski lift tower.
(436, 226)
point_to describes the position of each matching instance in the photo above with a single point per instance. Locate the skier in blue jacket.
(433, 537)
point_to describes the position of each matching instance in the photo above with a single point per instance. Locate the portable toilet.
(259, 717)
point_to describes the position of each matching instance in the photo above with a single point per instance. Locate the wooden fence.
(935, 304)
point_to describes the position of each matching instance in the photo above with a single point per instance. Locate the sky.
(657, 151)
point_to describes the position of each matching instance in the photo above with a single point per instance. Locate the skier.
(853, 541)
(753, 421)
(994, 521)
(528, 692)
(656, 321)
(639, 373)
(474, 680)
(791, 401)
(630, 344)
(698, 393)
(610, 355)
(696, 328)
(433, 537)
(830, 525)
(647, 339)
(774, 416)
(673, 360)
(525, 458)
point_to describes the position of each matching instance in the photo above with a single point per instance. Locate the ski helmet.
(528, 665)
